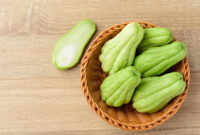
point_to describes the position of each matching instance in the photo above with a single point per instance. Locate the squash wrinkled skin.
(156, 60)
(119, 52)
(154, 93)
(155, 37)
(117, 89)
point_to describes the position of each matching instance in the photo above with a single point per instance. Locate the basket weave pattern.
(124, 117)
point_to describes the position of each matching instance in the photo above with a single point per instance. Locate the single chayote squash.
(119, 52)
(69, 48)
(155, 37)
(156, 60)
(117, 89)
(153, 93)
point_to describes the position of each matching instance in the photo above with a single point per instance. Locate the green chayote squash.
(119, 52)
(155, 37)
(117, 89)
(69, 48)
(156, 60)
(153, 93)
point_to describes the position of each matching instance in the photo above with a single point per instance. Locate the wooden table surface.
(37, 99)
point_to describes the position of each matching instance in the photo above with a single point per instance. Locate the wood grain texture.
(35, 98)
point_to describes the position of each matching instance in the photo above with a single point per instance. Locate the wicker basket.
(124, 117)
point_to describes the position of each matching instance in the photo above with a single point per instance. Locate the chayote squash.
(119, 52)
(155, 37)
(117, 89)
(153, 93)
(156, 60)
(69, 48)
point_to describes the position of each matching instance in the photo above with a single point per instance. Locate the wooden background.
(37, 99)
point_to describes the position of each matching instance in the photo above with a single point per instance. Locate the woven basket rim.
(100, 112)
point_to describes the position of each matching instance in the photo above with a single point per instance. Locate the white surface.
(65, 56)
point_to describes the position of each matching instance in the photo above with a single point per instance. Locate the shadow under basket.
(124, 117)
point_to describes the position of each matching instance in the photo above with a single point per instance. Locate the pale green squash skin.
(154, 93)
(76, 40)
(156, 60)
(117, 89)
(119, 52)
(155, 37)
